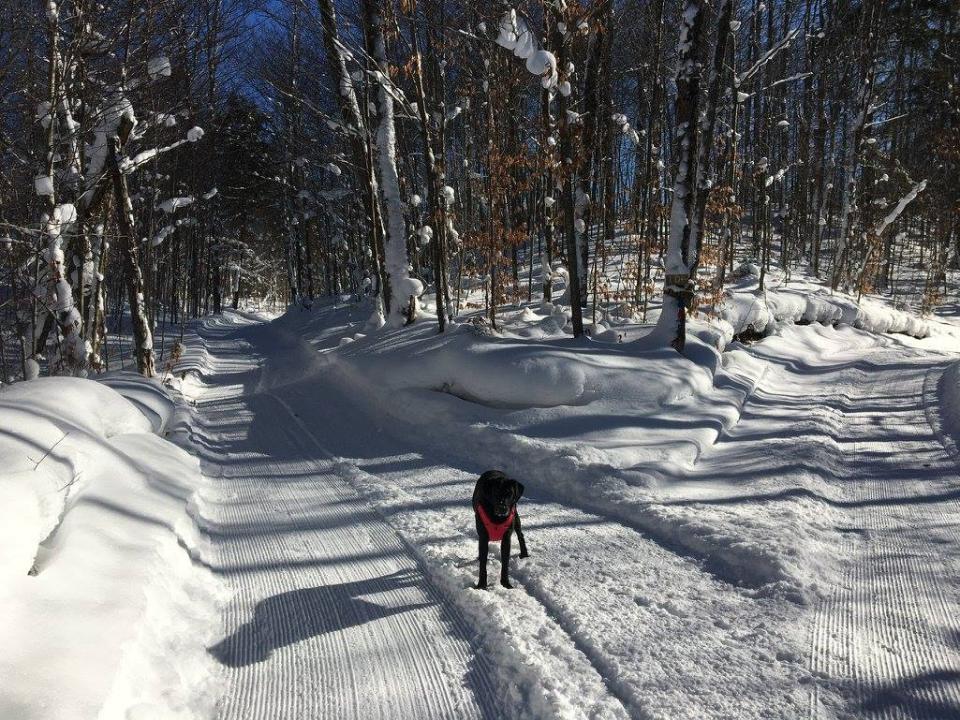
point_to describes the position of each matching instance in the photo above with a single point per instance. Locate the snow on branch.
(515, 36)
(130, 164)
(767, 57)
(900, 207)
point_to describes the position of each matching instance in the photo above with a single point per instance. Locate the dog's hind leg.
(523, 543)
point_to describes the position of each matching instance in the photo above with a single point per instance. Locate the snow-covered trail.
(854, 432)
(332, 615)
(320, 511)
(603, 622)
(888, 633)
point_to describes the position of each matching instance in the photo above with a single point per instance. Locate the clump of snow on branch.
(158, 67)
(43, 185)
(516, 37)
(115, 108)
(173, 204)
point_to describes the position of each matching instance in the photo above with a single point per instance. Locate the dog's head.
(502, 493)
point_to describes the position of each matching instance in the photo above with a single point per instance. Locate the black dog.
(495, 507)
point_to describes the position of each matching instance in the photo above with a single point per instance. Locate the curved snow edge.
(166, 669)
(947, 419)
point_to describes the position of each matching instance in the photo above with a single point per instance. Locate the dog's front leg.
(484, 549)
(505, 560)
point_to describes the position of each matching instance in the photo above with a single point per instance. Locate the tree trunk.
(680, 261)
(395, 247)
(142, 336)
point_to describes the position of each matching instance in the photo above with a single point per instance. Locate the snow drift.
(104, 610)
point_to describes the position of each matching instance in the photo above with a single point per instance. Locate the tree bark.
(142, 336)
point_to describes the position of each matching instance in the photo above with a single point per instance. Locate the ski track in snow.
(332, 616)
(887, 634)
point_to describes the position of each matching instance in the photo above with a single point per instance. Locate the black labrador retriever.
(495, 507)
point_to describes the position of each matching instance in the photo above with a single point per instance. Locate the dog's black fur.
(498, 494)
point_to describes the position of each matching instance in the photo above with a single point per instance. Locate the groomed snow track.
(332, 615)
(886, 636)
(350, 572)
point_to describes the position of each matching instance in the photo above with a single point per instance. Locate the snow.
(735, 532)
(158, 67)
(96, 506)
(32, 369)
(694, 520)
(744, 309)
(195, 133)
(44, 116)
(108, 115)
(162, 234)
(65, 214)
(658, 586)
(402, 286)
(515, 35)
(171, 205)
(900, 206)
(43, 184)
(543, 63)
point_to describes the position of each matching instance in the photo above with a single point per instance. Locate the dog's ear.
(517, 490)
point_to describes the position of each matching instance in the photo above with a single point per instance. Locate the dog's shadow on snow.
(297, 615)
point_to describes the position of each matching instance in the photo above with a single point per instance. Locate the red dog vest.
(496, 531)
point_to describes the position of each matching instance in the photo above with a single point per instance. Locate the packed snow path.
(887, 635)
(840, 439)
(332, 616)
(857, 429)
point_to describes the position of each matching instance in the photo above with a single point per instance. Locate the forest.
(161, 160)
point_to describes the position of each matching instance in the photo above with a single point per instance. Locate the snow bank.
(614, 424)
(112, 618)
(948, 394)
(744, 311)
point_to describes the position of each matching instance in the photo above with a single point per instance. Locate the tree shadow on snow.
(927, 695)
(297, 615)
